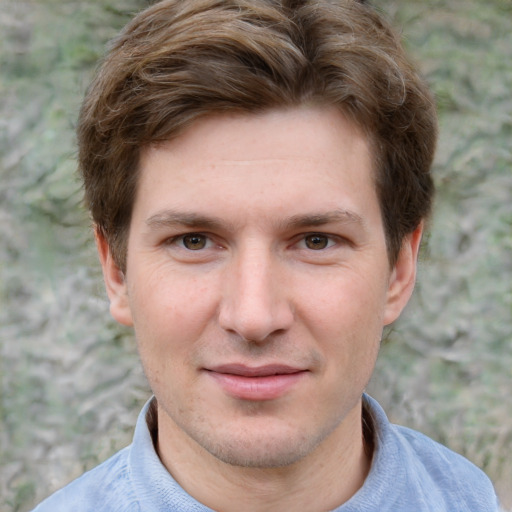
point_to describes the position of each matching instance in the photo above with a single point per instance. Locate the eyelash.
(181, 238)
(330, 241)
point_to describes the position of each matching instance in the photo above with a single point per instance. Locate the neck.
(323, 480)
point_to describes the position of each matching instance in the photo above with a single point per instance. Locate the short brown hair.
(180, 60)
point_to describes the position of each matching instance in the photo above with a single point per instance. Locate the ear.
(403, 276)
(114, 282)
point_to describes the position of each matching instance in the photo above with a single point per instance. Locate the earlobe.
(115, 282)
(403, 276)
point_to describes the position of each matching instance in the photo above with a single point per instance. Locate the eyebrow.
(173, 218)
(320, 219)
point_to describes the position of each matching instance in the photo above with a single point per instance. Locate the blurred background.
(70, 382)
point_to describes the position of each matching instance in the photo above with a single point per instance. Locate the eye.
(317, 242)
(194, 241)
(194, 247)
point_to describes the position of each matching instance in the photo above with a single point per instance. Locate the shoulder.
(107, 487)
(448, 472)
(421, 474)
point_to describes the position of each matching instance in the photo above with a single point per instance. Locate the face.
(258, 283)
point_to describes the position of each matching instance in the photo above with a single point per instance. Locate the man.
(258, 173)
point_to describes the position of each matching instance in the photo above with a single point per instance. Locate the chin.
(261, 448)
(265, 456)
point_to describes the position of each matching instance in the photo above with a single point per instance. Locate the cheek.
(348, 302)
(170, 312)
(345, 316)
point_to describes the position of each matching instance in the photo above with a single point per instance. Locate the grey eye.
(316, 242)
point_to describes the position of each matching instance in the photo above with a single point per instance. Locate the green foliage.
(70, 383)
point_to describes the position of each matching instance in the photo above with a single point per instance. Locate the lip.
(259, 383)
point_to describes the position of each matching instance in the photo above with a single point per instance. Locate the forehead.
(268, 164)
(298, 132)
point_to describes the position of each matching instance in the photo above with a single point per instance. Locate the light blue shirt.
(409, 473)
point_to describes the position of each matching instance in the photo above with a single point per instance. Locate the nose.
(255, 304)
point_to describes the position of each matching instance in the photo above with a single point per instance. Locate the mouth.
(259, 383)
(255, 371)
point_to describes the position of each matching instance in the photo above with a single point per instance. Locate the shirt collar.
(157, 490)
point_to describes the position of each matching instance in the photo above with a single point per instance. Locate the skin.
(257, 242)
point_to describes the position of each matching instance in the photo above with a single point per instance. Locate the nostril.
(256, 326)
(253, 305)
